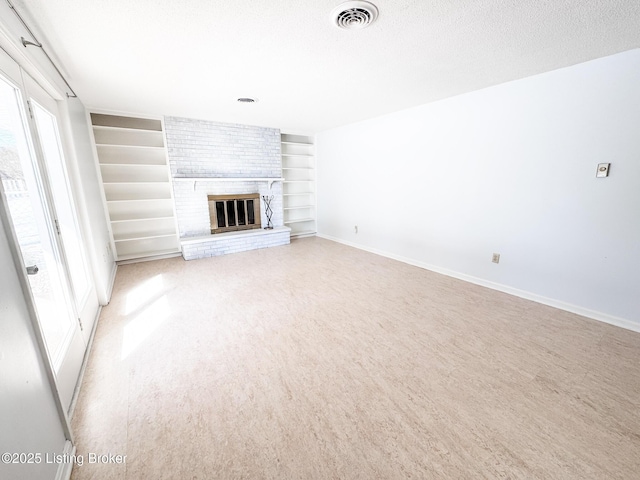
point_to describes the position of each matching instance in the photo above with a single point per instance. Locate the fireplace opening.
(229, 213)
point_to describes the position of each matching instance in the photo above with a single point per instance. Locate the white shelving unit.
(136, 181)
(298, 171)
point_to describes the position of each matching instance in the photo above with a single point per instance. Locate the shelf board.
(306, 155)
(147, 237)
(126, 129)
(297, 181)
(164, 165)
(303, 233)
(299, 207)
(132, 256)
(132, 123)
(117, 145)
(160, 182)
(142, 219)
(284, 142)
(139, 200)
(300, 220)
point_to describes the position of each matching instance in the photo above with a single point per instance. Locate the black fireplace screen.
(230, 213)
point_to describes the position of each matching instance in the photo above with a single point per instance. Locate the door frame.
(13, 73)
(12, 240)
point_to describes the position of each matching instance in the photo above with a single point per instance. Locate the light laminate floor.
(320, 361)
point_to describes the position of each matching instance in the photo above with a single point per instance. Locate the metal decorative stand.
(268, 211)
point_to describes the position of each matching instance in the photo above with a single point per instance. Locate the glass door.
(37, 230)
(45, 115)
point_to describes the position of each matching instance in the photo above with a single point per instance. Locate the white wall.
(29, 418)
(508, 169)
(88, 189)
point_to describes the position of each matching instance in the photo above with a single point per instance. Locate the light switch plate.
(603, 170)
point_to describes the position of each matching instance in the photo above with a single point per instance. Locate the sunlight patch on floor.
(152, 313)
(143, 294)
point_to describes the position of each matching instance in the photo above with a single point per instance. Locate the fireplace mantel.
(269, 180)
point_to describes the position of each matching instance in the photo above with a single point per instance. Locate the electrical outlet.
(496, 258)
(356, 228)
(603, 170)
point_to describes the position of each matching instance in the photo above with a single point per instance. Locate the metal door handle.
(32, 270)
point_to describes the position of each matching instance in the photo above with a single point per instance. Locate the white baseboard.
(112, 281)
(303, 235)
(585, 312)
(64, 469)
(85, 360)
(150, 258)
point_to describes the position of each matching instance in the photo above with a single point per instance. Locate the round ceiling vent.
(354, 15)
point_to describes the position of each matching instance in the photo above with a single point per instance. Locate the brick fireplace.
(218, 159)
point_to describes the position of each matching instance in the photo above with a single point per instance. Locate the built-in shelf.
(137, 219)
(171, 252)
(108, 155)
(299, 207)
(150, 182)
(146, 237)
(128, 137)
(123, 129)
(299, 220)
(138, 200)
(99, 120)
(134, 173)
(142, 191)
(124, 165)
(298, 170)
(305, 233)
(305, 144)
(136, 182)
(140, 147)
(146, 247)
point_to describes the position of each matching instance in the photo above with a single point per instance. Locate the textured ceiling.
(194, 58)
